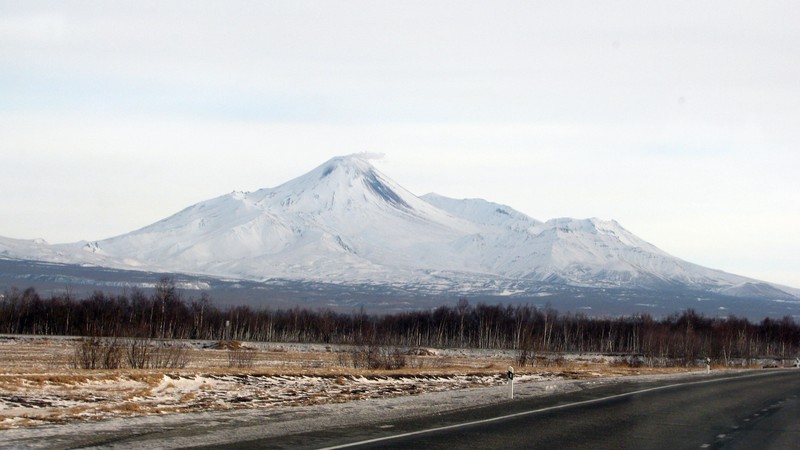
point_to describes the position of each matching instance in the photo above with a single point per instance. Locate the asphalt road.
(758, 410)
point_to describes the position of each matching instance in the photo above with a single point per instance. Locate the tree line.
(165, 314)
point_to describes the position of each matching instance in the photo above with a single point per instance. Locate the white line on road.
(540, 410)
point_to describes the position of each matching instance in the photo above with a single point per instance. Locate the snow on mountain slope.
(482, 212)
(342, 219)
(587, 252)
(37, 249)
(346, 222)
(597, 252)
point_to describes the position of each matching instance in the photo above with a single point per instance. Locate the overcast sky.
(680, 120)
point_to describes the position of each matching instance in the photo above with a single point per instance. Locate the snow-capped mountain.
(346, 222)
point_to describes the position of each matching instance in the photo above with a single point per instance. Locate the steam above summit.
(346, 222)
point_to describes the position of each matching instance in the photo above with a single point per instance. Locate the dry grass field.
(39, 383)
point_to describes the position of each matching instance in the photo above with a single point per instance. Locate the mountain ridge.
(346, 222)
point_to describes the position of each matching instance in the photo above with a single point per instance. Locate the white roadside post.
(511, 380)
(708, 365)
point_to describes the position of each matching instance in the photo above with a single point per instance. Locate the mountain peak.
(345, 180)
(355, 163)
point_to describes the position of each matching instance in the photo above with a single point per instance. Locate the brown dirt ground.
(38, 385)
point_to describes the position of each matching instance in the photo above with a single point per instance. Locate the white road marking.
(536, 411)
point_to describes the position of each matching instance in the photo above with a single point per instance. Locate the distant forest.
(685, 337)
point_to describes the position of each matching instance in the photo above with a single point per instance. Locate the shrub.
(241, 357)
(97, 353)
